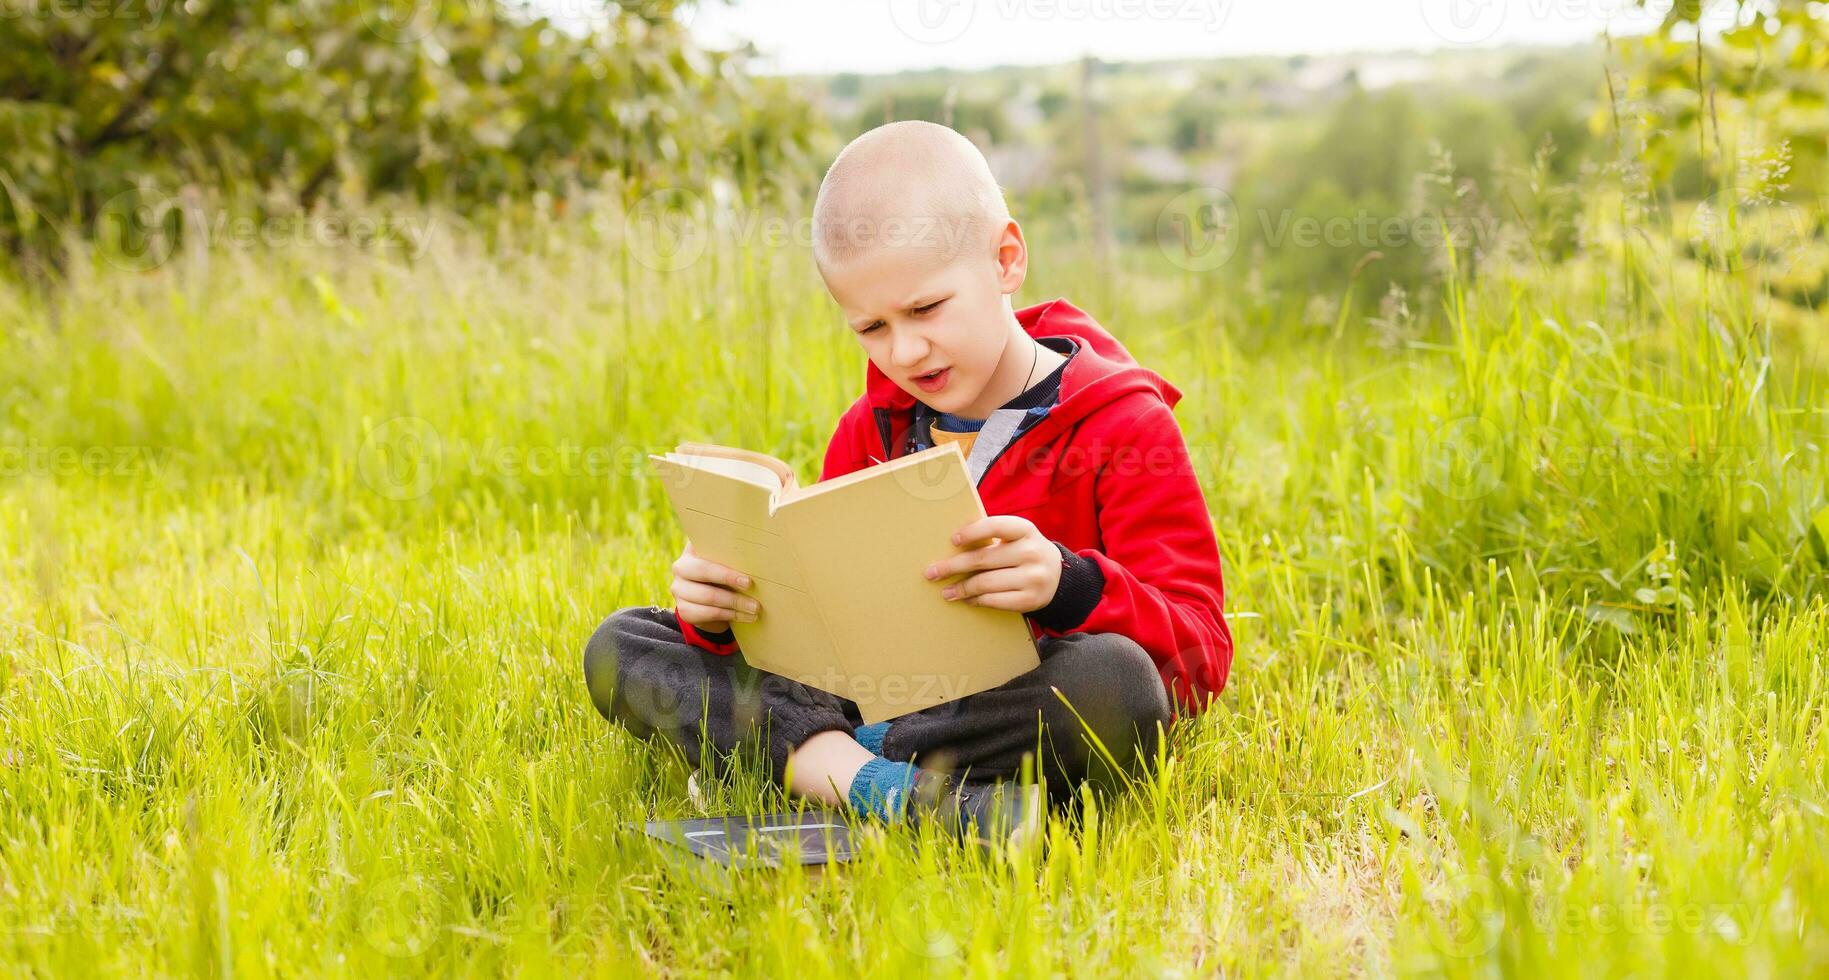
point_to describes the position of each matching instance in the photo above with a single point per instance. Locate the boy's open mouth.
(933, 381)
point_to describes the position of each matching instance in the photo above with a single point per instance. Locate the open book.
(838, 568)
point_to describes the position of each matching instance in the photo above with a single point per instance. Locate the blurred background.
(334, 336)
(1307, 141)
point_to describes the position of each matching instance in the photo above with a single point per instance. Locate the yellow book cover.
(838, 569)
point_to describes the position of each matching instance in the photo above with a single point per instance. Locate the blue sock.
(882, 787)
(871, 736)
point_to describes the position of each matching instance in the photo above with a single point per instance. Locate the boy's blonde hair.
(911, 184)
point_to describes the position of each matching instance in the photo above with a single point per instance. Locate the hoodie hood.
(1100, 372)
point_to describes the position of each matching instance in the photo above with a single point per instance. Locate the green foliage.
(299, 548)
(302, 547)
(275, 107)
(1764, 82)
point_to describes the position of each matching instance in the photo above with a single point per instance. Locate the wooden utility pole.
(1095, 168)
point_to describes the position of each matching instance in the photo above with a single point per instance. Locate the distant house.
(1018, 168)
(1160, 164)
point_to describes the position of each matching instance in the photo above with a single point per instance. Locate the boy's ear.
(1012, 258)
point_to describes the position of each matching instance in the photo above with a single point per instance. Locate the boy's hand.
(702, 592)
(1019, 571)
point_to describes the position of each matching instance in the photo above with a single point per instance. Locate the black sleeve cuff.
(1074, 598)
(727, 635)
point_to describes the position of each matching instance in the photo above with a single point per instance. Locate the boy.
(1098, 532)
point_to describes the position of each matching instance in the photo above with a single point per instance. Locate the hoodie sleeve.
(1157, 579)
(843, 455)
(723, 644)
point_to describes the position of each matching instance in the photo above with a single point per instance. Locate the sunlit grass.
(1528, 613)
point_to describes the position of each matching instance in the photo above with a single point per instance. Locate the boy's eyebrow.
(918, 302)
(905, 306)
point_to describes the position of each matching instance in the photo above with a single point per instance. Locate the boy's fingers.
(1005, 526)
(698, 612)
(716, 598)
(708, 596)
(704, 616)
(987, 583)
(1013, 601)
(704, 570)
(995, 556)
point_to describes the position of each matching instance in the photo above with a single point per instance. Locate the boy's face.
(935, 325)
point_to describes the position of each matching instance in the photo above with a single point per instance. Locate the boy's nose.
(910, 349)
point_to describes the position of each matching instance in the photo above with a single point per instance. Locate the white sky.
(823, 36)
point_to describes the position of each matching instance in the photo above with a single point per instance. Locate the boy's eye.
(929, 308)
(871, 327)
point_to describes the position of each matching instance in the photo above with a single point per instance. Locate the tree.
(303, 104)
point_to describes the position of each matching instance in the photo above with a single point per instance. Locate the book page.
(726, 517)
(863, 542)
(741, 469)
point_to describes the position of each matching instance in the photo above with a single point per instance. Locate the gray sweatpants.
(644, 676)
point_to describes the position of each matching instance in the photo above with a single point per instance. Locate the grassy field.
(299, 550)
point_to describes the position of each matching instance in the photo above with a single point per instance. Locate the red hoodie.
(1107, 476)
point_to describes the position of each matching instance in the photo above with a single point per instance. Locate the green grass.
(1529, 616)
